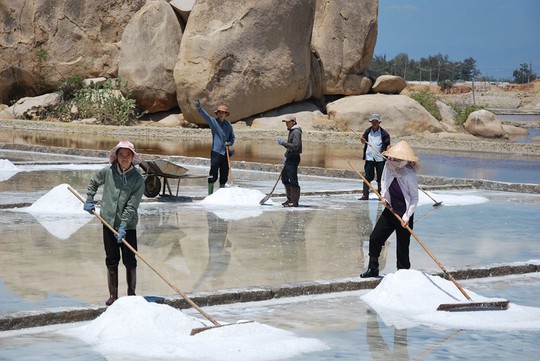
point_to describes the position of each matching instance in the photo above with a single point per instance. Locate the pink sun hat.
(127, 145)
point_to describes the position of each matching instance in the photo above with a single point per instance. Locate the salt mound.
(235, 203)
(409, 298)
(133, 326)
(236, 196)
(58, 200)
(7, 169)
(7, 166)
(51, 209)
(450, 199)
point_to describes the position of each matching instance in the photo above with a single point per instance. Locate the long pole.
(188, 300)
(414, 235)
(436, 204)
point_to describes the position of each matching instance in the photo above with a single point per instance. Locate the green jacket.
(120, 201)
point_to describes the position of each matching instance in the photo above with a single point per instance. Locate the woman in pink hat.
(123, 187)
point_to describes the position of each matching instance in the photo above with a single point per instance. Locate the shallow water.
(198, 249)
(457, 164)
(58, 261)
(342, 321)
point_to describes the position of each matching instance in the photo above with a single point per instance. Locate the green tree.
(524, 74)
(400, 65)
(468, 69)
(380, 65)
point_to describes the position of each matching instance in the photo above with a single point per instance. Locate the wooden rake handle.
(377, 151)
(269, 195)
(414, 235)
(229, 162)
(188, 300)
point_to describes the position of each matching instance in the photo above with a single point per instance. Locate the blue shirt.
(221, 132)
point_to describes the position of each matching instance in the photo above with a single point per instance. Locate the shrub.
(109, 103)
(428, 101)
(446, 86)
(70, 87)
(463, 112)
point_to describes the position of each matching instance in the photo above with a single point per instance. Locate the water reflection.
(219, 253)
(292, 237)
(379, 348)
(435, 163)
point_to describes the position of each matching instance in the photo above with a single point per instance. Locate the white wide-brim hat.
(127, 145)
(401, 151)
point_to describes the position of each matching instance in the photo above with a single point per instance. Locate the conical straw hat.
(402, 151)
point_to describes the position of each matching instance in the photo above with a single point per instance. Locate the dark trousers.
(113, 249)
(385, 226)
(290, 172)
(370, 167)
(218, 166)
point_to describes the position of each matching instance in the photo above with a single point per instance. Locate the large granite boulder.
(44, 42)
(344, 37)
(150, 46)
(250, 55)
(400, 115)
(389, 84)
(183, 7)
(485, 124)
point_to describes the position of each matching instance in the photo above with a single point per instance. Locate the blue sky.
(499, 34)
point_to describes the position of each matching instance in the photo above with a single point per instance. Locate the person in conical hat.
(399, 189)
(401, 151)
(123, 188)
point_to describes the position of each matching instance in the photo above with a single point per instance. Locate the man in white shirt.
(376, 140)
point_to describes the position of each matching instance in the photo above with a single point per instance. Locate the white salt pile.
(133, 326)
(235, 203)
(408, 298)
(52, 209)
(450, 199)
(7, 169)
(236, 196)
(58, 200)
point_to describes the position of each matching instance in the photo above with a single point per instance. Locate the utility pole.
(529, 75)
(473, 97)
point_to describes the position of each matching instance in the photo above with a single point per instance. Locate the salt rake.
(184, 296)
(435, 203)
(466, 306)
(269, 195)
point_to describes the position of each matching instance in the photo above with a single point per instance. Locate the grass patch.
(429, 102)
(109, 103)
(463, 112)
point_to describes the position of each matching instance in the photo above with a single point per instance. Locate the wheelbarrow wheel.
(152, 186)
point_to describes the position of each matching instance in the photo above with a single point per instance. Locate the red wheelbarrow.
(155, 170)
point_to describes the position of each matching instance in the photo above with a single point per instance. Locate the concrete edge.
(46, 317)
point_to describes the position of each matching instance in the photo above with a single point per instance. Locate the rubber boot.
(295, 197)
(222, 185)
(288, 193)
(373, 268)
(112, 281)
(365, 193)
(210, 188)
(131, 279)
